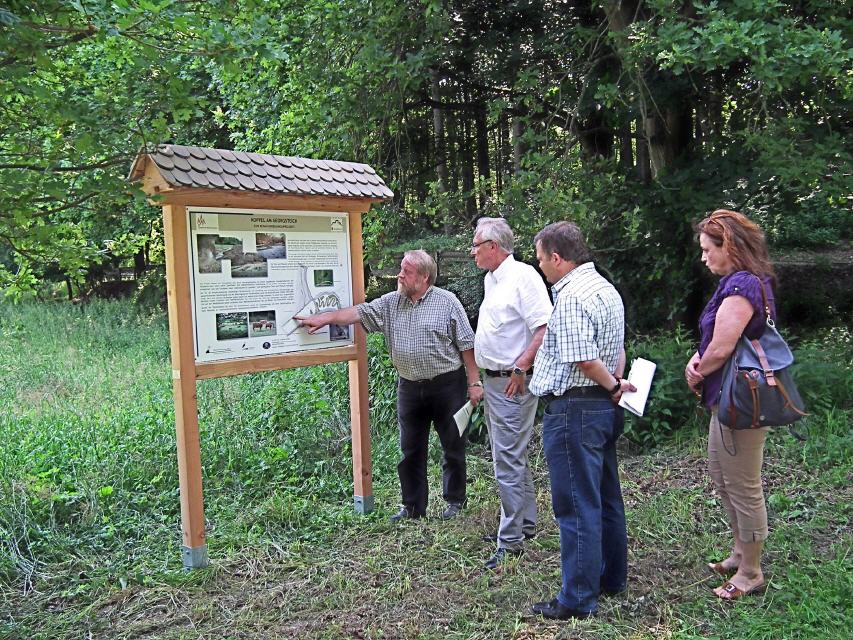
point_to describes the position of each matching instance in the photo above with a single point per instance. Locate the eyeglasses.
(476, 245)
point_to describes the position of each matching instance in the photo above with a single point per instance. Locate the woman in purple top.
(734, 248)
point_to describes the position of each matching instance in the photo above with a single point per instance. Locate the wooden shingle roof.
(199, 167)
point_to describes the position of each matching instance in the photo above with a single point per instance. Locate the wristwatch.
(518, 371)
(617, 387)
(479, 383)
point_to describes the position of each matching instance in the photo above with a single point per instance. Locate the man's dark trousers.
(579, 436)
(419, 404)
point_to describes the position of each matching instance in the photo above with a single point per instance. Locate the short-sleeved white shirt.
(516, 303)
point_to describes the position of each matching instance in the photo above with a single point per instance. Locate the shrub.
(823, 370)
(671, 405)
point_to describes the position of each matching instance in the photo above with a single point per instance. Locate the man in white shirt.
(512, 320)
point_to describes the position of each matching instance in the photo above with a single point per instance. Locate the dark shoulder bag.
(758, 390)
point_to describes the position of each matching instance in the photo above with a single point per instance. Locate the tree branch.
(77, 37)
(59, 169)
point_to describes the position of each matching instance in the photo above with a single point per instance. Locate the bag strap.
(788, 402)
(767, 319)
(762, 359)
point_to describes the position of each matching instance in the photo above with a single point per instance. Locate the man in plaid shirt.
(578, 373)
(432, 347)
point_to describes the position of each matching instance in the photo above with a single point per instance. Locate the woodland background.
(632, 118)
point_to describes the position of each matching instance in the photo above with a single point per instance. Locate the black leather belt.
(442, 377)
(505, 373)
(593, 391)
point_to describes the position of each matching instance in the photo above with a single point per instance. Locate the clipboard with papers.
(641, 375)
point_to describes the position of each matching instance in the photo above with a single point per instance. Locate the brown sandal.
(735, 592)
(718, 568)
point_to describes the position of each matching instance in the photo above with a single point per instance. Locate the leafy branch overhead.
(88, 83)
(631, 117)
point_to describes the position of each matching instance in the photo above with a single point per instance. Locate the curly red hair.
(741, 239)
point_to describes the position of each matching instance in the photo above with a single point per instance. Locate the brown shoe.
(718, 568)
(733, 592)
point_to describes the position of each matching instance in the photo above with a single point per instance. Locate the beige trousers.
(738, 477)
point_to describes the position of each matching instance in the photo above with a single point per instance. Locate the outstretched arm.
(317, 322)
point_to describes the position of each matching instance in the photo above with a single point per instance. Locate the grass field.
(90, 523)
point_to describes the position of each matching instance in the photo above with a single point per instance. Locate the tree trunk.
(504, 151)
(453, 147)
(644, 169)
(670, 137)
(697, 130)
(139, 263)
(483, 169)
(438, 134)
(713, 121)
(626, 149)
(519, 146)
(595, 137)
(468, 170)
(620, 13)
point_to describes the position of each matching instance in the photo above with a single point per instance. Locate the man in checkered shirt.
(432, 347)
(578, 373)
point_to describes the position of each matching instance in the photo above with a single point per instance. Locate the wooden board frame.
(186, 373)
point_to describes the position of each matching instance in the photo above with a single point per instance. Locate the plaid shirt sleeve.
(374, 315)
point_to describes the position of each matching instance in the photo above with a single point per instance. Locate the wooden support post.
(194, 550)
(359, 412)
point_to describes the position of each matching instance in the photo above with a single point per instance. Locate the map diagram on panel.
(312, 304)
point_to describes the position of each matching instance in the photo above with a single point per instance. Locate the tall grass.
(90, 522)
(88, 472)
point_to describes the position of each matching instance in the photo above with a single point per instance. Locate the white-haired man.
(512, 320)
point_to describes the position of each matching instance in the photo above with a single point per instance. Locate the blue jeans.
(579, 435)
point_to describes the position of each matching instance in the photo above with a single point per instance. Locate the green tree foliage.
(84, 84)
(633, 118)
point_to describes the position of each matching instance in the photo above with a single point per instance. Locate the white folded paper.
(641, 374)
(463, 416)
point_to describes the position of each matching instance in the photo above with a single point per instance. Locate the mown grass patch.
(90, 523)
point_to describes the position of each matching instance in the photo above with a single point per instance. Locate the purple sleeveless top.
(739, 283)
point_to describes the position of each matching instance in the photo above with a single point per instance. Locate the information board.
(252, 270)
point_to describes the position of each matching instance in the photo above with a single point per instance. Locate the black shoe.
(403, 514)
(499, 557)
(556, 611)
(493, 537)
(452, 511)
